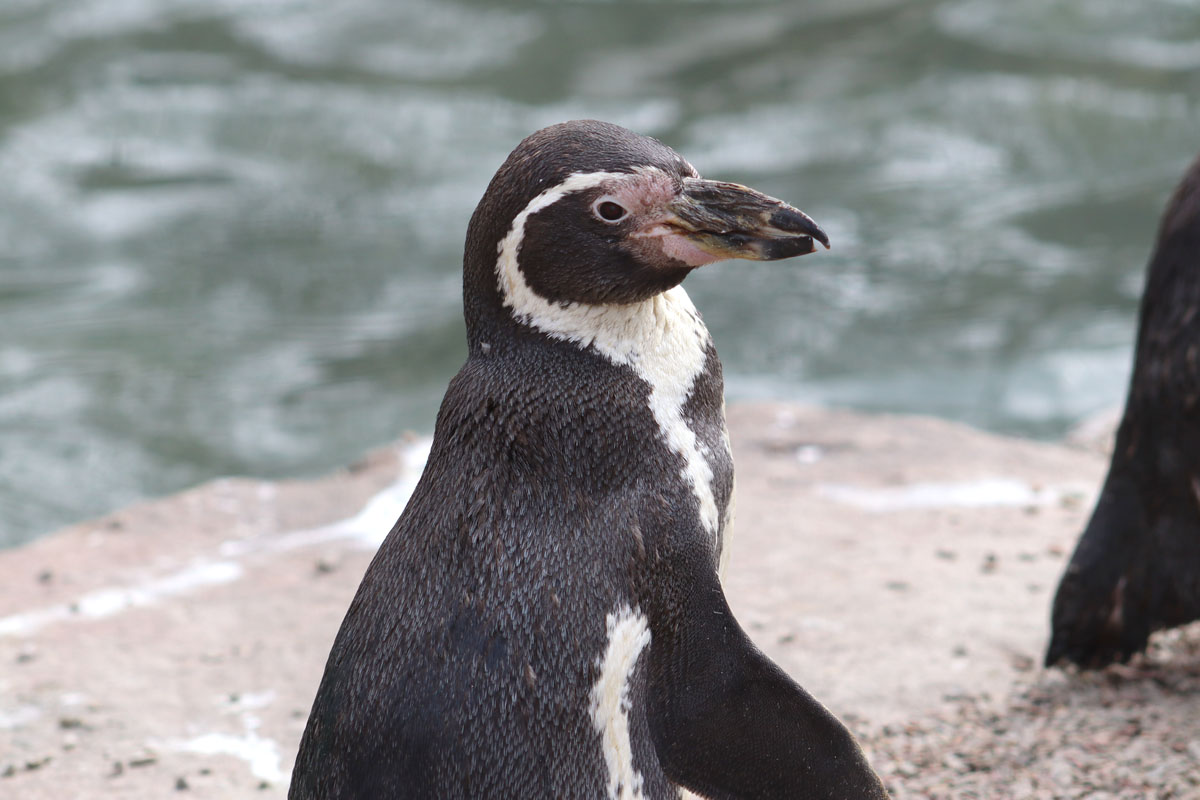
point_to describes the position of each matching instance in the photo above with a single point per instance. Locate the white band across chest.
(662, 339)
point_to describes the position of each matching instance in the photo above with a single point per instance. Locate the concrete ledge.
(898, 567)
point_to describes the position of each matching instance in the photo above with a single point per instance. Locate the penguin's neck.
(661, 339)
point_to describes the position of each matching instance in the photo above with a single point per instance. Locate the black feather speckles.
(541, 621)
(544, 160)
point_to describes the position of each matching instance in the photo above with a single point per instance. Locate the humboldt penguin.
(1136, 568)
(545, 619)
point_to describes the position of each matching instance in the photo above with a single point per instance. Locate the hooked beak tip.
(793, 221)
(729, 220)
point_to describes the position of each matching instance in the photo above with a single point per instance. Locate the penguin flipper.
(727, 722)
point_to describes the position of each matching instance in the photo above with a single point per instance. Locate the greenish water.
(230, 230)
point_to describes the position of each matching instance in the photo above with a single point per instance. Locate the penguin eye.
(609, 211)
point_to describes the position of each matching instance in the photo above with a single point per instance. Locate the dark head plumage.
(619, 218)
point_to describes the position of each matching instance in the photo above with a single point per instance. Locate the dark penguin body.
(1136, 568)
(545, 620)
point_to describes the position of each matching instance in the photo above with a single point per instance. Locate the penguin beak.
(728, 220)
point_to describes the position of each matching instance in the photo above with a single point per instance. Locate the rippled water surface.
(230, 230)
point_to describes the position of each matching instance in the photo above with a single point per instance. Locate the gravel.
(1129, 731)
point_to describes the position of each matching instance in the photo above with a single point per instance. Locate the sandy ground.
(900, 568)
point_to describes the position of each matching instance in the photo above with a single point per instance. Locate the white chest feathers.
(663, 340)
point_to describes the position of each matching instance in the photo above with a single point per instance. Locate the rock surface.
(900, 568)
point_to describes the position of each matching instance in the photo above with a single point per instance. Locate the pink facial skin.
(647, 196)
(677, 246)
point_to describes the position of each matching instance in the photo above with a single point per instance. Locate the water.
(230, 230)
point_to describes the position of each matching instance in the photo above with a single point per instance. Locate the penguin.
(1136, 567)
(545, 619)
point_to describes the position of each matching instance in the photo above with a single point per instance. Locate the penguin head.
(588, 213)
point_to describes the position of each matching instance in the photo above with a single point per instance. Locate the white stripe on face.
(662, 339)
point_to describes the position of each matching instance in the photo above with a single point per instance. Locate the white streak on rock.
(19, 717)
(369, 526)
(107, 602)
(262, 755)
(987, 492)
